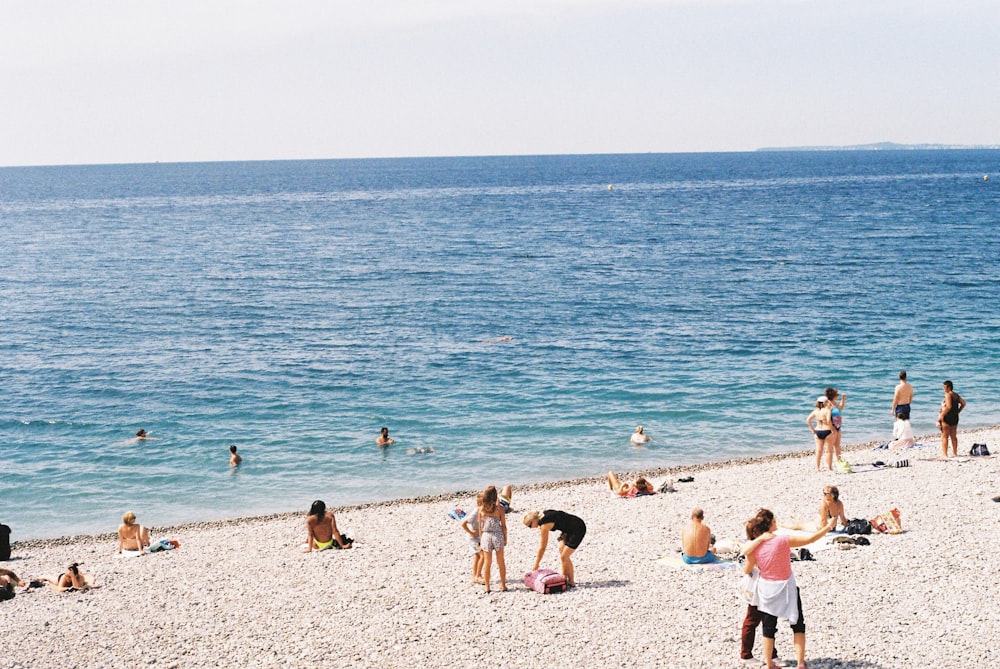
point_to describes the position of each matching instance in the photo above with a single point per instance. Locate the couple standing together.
(951, 406)
(827, 417)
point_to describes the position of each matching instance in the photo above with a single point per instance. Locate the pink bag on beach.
(545, 581)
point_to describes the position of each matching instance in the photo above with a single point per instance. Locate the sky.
(115, 81)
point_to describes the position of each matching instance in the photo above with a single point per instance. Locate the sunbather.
(640, 487)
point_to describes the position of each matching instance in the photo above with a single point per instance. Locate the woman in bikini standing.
(823, 432)
(947, 422)
(132, 536)
(836, 417)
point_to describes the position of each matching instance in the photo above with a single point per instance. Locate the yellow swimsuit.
(323, 545)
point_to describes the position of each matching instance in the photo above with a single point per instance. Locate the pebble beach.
(240, 593)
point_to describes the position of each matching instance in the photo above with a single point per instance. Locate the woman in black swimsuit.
(951, 406)
(572, 528)
(823, 432)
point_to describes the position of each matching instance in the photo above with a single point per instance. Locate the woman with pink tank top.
(777, 593)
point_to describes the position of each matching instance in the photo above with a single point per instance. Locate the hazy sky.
(91, 81)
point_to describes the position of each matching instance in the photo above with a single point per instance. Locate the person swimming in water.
(234, 457)
(639, 437)
(383, 439)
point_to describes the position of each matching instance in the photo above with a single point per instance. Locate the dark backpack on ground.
(979, 449)
(858, 526)
(4, 542)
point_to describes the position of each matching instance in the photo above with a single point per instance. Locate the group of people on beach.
(487, 530)
(825, 420)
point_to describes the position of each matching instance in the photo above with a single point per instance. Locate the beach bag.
(843, 466)
(545, 581)
(858, 526)
(888, 522)
(748, 586)
(801, 554)
(4, 542)
(979, 449)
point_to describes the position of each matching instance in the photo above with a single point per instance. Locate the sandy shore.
(240, 593)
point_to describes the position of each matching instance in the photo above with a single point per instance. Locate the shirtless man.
(234, 458)
(383, 438)
(902, 398)
(697, 540)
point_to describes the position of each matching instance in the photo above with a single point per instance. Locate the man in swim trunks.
(902, 398)
(696, 540)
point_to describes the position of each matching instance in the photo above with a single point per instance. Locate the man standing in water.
(902, 397)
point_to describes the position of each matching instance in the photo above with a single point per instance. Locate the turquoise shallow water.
(293, 308)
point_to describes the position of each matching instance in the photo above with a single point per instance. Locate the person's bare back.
(696, 537)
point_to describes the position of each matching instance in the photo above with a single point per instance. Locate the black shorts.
(575, 537)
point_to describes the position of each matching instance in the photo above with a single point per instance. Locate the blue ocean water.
(294, 308)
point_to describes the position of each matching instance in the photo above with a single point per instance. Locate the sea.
(518, 315)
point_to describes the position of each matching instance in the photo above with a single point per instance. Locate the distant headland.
(882, 146)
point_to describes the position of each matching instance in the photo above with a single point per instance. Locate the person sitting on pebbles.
(830, 508)
(132, 537)
(697, 542)
(622, 489)
(321, 529)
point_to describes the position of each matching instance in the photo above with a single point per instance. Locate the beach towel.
(129, 554)
(456, 514)
(674, 561)
(869, 468)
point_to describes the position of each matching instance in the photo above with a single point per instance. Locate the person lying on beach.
(132, 538)
(8, 580)
(572, 530)
(321, 529)
(831, 508)
(639, 437)
(697, 542)
(506, 497)
(234, 457)
(383, 439)
(902, 433)
(72, 579)
(623, 489)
